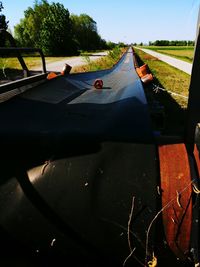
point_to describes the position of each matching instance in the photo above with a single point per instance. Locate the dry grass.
(102, 63)
(31, 62)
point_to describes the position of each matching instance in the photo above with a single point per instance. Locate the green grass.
(167, 76)
(185, 53)
(104, 62)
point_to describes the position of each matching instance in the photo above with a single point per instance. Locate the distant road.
(72, 61)
(177, 63)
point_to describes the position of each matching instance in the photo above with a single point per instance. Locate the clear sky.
(127, 21)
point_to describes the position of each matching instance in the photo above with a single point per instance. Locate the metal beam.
(193, 109)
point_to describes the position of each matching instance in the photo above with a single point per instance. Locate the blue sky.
(128, 21)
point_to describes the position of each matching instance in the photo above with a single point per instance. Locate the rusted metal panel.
(176, 197)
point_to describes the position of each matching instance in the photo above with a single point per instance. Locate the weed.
(105, 62)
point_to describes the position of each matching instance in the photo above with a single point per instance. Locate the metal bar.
(16, 50)
(19, 83)
(8, 36)
(193, 109)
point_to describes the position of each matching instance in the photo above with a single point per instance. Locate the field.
(185, 53)
(31, 62)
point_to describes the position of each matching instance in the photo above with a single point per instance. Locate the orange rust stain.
(176, 197)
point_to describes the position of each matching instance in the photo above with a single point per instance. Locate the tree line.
(51, 27)
(172, 43)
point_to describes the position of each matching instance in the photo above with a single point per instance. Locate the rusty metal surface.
(176, 197)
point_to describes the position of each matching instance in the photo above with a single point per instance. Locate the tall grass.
(104, 62)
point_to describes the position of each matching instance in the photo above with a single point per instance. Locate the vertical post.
(193, 109)
(5, 35)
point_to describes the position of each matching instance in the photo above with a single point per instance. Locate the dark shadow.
(173, 114)
(106, 88)
(9, 75)
(93, 55)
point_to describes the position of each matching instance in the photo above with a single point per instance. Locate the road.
(177, 63)
(73, 61)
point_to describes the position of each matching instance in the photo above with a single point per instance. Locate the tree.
(47, 26)
(3, 22)
(85, 32)
(172, 43)
(56, 32)
(1, 6)
(3, 26)
(27, 32)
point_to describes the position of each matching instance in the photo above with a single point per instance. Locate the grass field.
(185, 53)
(170, 79)
(31, 62)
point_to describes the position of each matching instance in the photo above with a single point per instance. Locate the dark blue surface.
(72, 159)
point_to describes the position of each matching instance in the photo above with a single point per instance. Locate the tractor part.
(66, 69)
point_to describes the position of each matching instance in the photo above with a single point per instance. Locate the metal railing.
(5, 51)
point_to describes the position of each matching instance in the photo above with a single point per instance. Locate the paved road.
(73, 61)
(177, 63)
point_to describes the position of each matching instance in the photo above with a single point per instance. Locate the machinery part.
(16, 51)
(142, 71)
(193, 109)
(6, 35)
(97, 166)
(176, 197)
(98, 84)
(51, 75)
(144, 74)
(9, 90)
(147, 78)
(66, 69)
